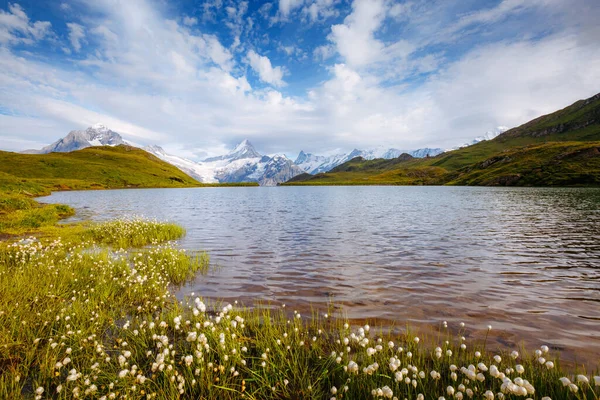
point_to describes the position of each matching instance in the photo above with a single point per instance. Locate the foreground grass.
(83, 318)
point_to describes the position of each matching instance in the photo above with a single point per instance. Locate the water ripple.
(526, 260)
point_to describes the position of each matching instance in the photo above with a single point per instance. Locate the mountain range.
(558, 149)
(242, 164)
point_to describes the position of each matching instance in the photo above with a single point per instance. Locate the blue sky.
(324, 76)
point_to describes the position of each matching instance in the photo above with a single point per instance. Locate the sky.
(323, 76)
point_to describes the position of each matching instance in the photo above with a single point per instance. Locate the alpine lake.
(524, 260)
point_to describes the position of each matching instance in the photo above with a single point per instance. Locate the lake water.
(525, 260)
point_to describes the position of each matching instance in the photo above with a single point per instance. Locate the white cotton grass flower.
(596, 380)
(514, 354)
(545, 349)
(583, 379)
(573, 388)
(565, 381)
(519, 368)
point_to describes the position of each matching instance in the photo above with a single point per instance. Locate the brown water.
(524, 260)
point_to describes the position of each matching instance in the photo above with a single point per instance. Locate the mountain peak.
(99, 127)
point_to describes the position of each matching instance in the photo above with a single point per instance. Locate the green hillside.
(95, 167)
(24, 176)
(558, 149)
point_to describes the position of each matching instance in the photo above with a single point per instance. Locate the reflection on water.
(526, 260)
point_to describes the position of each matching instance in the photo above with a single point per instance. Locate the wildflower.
(333, 390)
(573, 388)
(514, 355)
(565, 381)
(545, 349)
(549, 364)
(497, 358)
(583, 379)
(387, 392)
(489, 395)
(596, 380)
(450, 391)
(519, 368)
(477, 354)
(39, 391)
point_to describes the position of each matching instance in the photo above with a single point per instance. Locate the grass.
(94, 167)
(94, 316)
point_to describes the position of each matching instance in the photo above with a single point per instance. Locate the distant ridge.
(558, 149)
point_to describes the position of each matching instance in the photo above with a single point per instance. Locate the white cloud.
(321, 9)
(190, 21)
(267, 73)
(354, 39)
(287, 6)
(76, 35)
(158, 81)
(15, 27)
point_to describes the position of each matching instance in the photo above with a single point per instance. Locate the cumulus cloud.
(76, 35)
(321, 9)
(267, 73)
(15, 27)
(355, 39)
(287, 6)
(190, 21)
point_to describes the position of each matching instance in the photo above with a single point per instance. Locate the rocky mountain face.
(97, 135)
(242, 164)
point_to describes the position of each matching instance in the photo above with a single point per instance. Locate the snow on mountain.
(489, 135)
(314, 164)
(425, 152)
(241, 151)
(96, 135)
(198, 171)
(242, 164)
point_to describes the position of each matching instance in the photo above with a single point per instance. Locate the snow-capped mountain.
(241, 151)
(314, 164)
(489, 135)
(196, 170)
(242, 164)
(96, 135)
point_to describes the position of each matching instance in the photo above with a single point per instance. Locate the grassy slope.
(23, 176)
(95, 167)
(556, 149)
